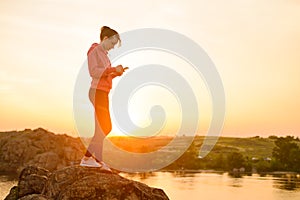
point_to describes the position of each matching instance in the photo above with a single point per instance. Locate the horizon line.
(145, 137)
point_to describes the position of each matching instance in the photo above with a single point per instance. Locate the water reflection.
(236, 182)
(188, 180)
(287, 182)
(183, 173)
(7, 182)
(140, 176)
(239, 174)
(208, 185)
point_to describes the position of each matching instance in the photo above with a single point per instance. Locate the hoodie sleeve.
(96, 67)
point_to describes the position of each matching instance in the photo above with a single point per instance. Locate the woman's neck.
(103, 46)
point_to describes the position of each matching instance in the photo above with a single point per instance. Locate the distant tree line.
(285, 157)
(286, 154)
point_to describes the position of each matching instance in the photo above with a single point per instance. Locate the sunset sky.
(255, 46)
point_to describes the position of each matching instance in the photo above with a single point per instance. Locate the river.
(208, 186)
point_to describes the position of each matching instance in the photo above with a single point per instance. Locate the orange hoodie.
(100, 68)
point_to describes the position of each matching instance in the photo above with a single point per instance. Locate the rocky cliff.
(77, 182)
(38, 147)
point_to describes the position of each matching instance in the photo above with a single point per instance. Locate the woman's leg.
(102, 122)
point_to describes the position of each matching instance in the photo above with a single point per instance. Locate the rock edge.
(76, 182)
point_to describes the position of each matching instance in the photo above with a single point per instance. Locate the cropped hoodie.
(100, 68)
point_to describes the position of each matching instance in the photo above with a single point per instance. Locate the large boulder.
(39, 148)
(76, 182)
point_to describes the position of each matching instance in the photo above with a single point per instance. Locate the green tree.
(263, 166)
(188, 160)
(220, 162)
(286, 154)
(235, 160)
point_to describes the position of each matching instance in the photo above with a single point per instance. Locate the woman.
(102, 73)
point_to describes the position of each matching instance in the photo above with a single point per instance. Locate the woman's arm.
(96, 66)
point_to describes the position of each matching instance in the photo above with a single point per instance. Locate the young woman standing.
(102, 73)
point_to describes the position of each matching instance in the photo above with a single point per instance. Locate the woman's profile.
(102, 74)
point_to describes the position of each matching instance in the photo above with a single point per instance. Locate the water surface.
(208, 186)
(195, 186)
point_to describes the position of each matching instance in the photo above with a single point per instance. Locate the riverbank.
(221, 172)
(51, 151)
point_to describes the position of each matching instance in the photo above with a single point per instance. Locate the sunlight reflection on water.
(222, 186)
(6, 182)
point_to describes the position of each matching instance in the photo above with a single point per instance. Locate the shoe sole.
(109, 170)
(87, 165)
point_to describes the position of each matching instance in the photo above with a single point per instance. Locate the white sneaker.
(105, 167)
(89, 162)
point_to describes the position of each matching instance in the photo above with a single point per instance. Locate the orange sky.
(254, 45)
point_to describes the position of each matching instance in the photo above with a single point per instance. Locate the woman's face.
(109, 43)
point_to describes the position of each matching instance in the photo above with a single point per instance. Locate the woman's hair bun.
(109, 32)
(104, 27)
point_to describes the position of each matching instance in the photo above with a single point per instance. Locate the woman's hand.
(119, 70)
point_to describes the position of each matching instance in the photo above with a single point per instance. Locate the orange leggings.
(103, 126)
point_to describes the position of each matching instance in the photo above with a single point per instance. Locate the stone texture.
(13, 194)
(32, 181)
(40, 148)
(34, 197)
(48, 160)
(77, 182)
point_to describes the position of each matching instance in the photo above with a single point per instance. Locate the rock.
(47, 160)
(76, 182)
(13, 194)
(39, 147)
(34, 197)
(32, 180)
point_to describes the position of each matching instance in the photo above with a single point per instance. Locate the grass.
(249, 147)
